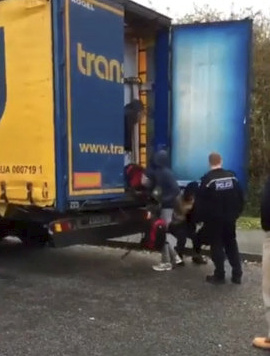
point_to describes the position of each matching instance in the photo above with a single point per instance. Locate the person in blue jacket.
(162, 179)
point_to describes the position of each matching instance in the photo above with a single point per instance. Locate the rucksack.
(155, 235)
(134, 174)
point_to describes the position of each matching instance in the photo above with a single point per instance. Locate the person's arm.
(201, 201)
(265, 207)
(174, 190)
(148, 179)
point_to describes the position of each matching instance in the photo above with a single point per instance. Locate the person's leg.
(180, 233)
(165, 264)
(264, 342)
(166, 215)
(266, 280)
(217, 254)
(232, 251)
(169, 257)
(197, 257)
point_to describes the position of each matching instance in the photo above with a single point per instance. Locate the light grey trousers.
(168, 252)
(266, 278)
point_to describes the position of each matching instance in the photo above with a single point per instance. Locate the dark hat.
(191, 189)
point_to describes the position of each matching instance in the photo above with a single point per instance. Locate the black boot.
(215, 280)
(237, 279)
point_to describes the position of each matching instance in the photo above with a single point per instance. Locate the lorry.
(67, 69)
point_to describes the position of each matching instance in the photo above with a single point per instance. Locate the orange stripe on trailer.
(87, 180)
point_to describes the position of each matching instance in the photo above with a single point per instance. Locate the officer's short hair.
(214, 159)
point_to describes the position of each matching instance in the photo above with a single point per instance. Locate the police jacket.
(265, 207)
(220, 197)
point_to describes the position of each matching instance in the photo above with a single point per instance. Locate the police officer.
(220, 203)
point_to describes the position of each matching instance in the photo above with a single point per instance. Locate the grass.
(249, 223)
(250, 219)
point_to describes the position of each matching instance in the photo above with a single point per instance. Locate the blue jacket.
(164, 179)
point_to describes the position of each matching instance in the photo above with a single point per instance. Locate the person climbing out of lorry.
(264, 342)
(183, 224)
(165, 185)
(134, 112)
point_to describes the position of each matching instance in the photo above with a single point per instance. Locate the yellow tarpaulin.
(27, 159)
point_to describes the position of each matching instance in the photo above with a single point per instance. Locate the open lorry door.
(209, 97)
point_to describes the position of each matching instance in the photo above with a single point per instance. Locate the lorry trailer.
(67, 70)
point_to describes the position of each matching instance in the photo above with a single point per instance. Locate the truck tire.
(33, 238)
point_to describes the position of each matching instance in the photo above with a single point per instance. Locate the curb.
(250, 257)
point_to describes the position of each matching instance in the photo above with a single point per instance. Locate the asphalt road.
(88, 302)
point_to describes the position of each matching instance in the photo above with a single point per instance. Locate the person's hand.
(145, 181)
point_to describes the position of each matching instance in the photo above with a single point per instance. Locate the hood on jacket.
(161, 159)
(191, 190)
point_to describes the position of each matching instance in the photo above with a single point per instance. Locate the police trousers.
(223, 243)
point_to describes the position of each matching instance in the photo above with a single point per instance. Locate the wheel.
(34, 237)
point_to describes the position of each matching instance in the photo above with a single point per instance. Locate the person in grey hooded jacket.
(165, 180)
(162, 179)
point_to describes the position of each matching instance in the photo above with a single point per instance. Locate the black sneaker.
(179, 261)
(215, 280)
(180, 264)
(199, 260)
(236, 280)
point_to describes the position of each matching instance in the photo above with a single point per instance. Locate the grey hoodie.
(165, 180)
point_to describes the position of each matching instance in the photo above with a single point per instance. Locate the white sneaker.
(163, 267)
(178, 260)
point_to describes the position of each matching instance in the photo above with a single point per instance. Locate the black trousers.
(222, 239)
(182, 232)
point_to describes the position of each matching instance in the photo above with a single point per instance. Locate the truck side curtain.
(95, 100)
(3, 90)
(27, 168)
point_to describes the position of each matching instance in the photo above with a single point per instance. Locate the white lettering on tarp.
(86, 4)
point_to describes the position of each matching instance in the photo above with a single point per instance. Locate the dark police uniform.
(220, 204)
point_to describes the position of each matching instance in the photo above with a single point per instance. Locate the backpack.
(155, 235)
(134, 174)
